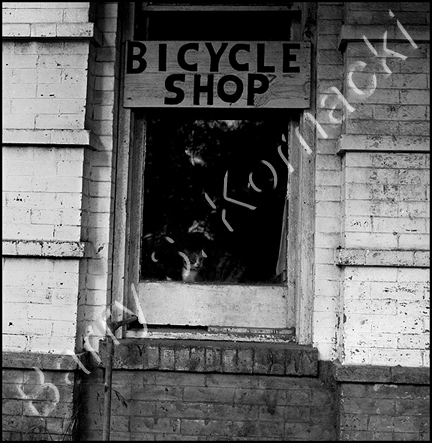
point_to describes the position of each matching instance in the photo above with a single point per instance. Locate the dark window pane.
(189, 157)
(215, 25)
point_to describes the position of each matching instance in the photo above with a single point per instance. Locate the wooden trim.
(221, 8)
(121, 249)
(226, 306)
(136, 201)
(306, 200)
(301, 194)
(380, 257)
(220, 334)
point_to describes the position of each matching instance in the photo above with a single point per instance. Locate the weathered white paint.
(173, 303)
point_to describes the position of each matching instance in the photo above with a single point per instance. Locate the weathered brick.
(299, 431)
(160, 393)
(213, 359)
(206, 427)
(368, 406)
(413, 407)
(245, 360)
(167, 358)
(411, 424)
(142, 424)
(298, 414)
(229, 359)
(410, 436)
(205, 394)
(300, 398)
(12, 407)
(381, 423)
(355, 435)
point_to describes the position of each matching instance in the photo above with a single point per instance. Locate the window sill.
(231, 334)
(214, 356)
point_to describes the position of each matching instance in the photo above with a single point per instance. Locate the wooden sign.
(213, 74)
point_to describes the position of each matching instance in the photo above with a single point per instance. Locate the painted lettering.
(170, 87)
(131, 57)
(162, 57)
(198, 88)
(232, 57)
(215, 56)
(193, 67)
(235, 96)
(288, 57)
(261, 66)
(252, 90)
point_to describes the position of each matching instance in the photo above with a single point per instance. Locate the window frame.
(130, 175)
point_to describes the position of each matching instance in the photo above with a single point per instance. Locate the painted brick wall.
(328, 183)
(40, 304)
(41, 202)
(99, 176)
(47, 78)
(386, 200)
(61, 193)
(400, 102)
(42, 193)
(386, 188)
(386, 316)
(44, 92)
(46, 85)
(384, 412)
(164, 405)
(181, 406)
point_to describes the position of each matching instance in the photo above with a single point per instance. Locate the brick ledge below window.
(381, 374)
(214, 356)
(42, 361)
(46, 248)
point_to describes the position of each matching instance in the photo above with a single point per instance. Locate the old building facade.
(97, 97)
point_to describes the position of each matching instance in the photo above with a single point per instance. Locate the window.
(208, 186)
(191, 232)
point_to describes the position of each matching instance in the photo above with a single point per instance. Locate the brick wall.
(384, 412)
(386, 197)
(385, 188)
(39, 393)
(37, 406)
(56, 91)
(59, 198)
(328, 183)
(46, 49)
(181, 406)
(386, 316)
(42, 193)
(39, 302)
(99, 176)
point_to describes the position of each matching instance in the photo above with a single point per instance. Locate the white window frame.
(271, 309)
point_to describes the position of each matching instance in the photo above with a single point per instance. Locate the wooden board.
(271, 74)
(174, 303)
